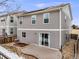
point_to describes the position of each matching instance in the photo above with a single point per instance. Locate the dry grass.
(16, 48)
(68, 49)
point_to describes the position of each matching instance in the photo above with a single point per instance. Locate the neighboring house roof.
(12, 13)
(42, 52)
(75, 31)
(52, 8)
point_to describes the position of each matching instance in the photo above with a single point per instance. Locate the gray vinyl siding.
(33, 37)
(67, 24)
(53, 22)
(64, 34)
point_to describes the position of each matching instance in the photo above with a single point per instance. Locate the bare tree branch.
(8, 5)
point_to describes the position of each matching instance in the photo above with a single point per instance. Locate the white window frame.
(32, 19)
(48, 18)
(48, 39)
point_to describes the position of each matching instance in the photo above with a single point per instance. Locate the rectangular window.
(11, 19)
(2, 20)
(46, 17)
(3, 31)
(33, 18)
(65, 19)
(11, 31)
(20, 22)
(23, 34)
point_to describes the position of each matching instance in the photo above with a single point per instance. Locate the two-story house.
(8, 24)
(46, 27)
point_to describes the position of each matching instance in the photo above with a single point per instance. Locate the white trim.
(60, 28)
(48, 39)
(48, 17)
(32, 19)
(38, 29)
(8, 26)
(43, 29)
(65, 29)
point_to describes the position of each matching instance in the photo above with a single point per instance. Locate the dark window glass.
(20, 22)
(44, 39)
(33, 19)
(2, 20)
(11, 19)
(23, 34)
(46, 18)
(11, 31)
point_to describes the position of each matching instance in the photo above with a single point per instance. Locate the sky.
(30, 5)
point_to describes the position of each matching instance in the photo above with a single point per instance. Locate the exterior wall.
(7, 24)
(33, 37)
(57, 23)
(65, 19)
(2, 24)
(64, 36)
(65, 24)
(12, 25)
(14, 31)
(53, 22)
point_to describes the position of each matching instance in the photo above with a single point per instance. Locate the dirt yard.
(16, 48)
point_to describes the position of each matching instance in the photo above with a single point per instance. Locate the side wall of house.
(2, 25)
(32, 37)
(65, 25)
(11, 25)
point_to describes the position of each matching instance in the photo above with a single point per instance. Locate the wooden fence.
(75, 51)
(6, 39)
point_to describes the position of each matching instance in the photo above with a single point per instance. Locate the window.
(20, 22)
(3, 31)
(2, 20)
(46, 18)
(23, 34)
(65, 19)
(33, 19)
(11, 31)
(11, 19)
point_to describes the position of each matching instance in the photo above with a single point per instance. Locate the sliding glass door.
(44, 39)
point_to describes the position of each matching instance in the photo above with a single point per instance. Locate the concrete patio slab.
(42, 52)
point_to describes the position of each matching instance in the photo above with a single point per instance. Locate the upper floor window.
(2, 20)
(46, 17)
(23, 34)
(11, 19)
(11, 31)
(65, 19)
(33, 18)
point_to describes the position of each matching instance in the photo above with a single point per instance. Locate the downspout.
(60, 29)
